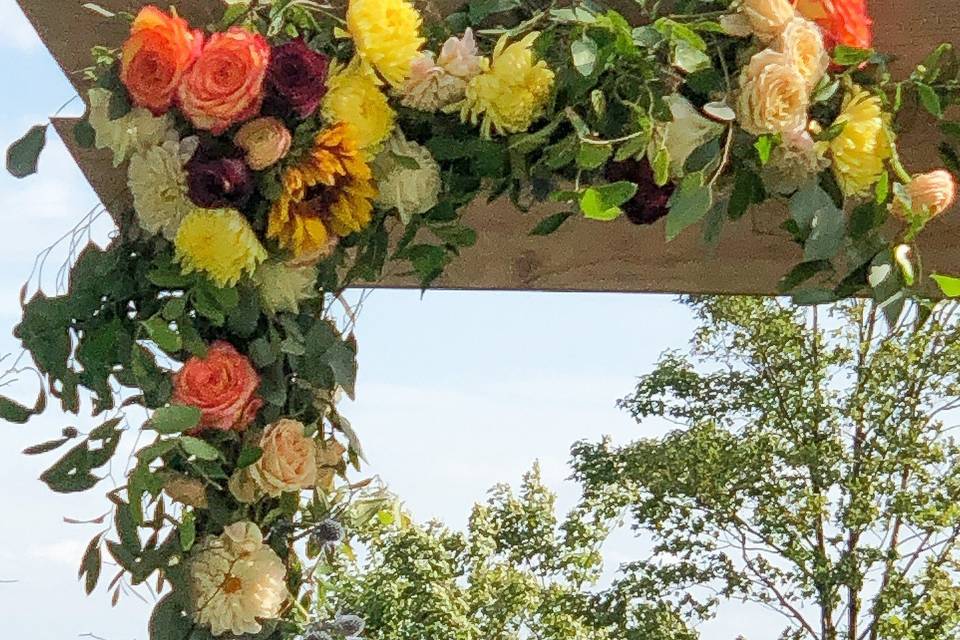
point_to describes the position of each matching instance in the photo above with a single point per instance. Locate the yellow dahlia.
(386, 34)
(864, 144)
(511, 91)
(355, 99)
(328, 193)
(220, 243)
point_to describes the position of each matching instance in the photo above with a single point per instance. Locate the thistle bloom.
(236, 581)
(931, 194)
(220, 243)
(386, 34)
(355, 99)
(844, 22)
(410, 190)
(511, 91)
(863, 145)
(158, 184)
(137, 130)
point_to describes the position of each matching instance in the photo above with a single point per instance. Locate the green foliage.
(23, 155)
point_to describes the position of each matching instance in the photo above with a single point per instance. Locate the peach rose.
(265, 140)
(289, 460)
(930, 194)
(802, 42)
(225, 85)
(155, 57)
(222, 385)
(767, 17)
(773, 96)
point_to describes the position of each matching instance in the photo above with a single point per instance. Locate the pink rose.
(225, 85)
(223, 385)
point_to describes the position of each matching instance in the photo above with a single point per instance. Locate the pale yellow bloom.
(289, 460)
(802, 43)
(930, 194)
(284, 286)
(410, 190)
(386, 34)
(863, 146)
(158, 184)
(774, 97)
(220, 243)
(767, 17)
(236, 581)
(355, 99)
(138, 130)
(511, 91)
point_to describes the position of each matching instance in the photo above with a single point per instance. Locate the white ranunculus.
(407, 177)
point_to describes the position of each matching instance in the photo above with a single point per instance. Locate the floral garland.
(292, 150)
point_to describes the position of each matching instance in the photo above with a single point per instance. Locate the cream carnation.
(408, 189)
(283, 286)
(802, 43)
(158, 183)
(137, 130)
(767, 17)
(236, 580)
(430, 87)
(289, 461)
(774, 97)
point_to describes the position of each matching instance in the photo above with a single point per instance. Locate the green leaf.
(91, 565)
(820, 221)
(197, 447)
(249, 455)
(550, 224)
(747, 190)
(603, 202)
(764, 146)
(175, 418)
(584, 52)
(689, 204)
(689, 59)
(801, 273)
(14, 412)
(156, 450)
(23, 155)
(592, 156)
(661, 167)
(949, 285)
(45, 447)
(187, 531)
(930, 100)
(159, 331)
(84, 134)
(170, 621)
(847, 56)
(174, 308)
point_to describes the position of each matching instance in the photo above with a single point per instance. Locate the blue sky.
(457, 390)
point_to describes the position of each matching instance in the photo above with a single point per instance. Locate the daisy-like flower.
(355, 99)
(328, 193)
(236, 581)
(158, 183)
(407, 188)
(511, 91)
(863, 145)
(137, 130)
(386, 34)
(283, 286)
(220, 243)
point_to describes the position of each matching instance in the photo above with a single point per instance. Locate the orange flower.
(223, 385)
(225, 84)
(930, 194)
(155, 57)
(844, 22)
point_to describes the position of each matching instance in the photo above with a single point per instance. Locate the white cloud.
(66, 552)
(16, 32)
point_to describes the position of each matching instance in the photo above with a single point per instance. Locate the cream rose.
(767, 17)
(930, 194)
(773, 96)
(802, 43)
(289, 461)
(266, 141)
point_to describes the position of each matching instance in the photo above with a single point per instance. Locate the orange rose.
(222, 385)
(225, 85)
(931, 194)
(154, 58)
(844, 22)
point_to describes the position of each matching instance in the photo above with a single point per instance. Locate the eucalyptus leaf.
(24, 154)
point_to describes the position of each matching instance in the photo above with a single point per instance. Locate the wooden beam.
(583, 256)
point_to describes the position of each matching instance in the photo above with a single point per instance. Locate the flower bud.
(930, 194)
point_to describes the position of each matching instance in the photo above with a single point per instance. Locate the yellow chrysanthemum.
(386, 34)
(220, 243)
(328, 193)
(864, 144)
(355, 99)
(512, 90)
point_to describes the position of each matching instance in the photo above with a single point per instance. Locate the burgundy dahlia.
(296, 80)
(650, 202)
(218, 181)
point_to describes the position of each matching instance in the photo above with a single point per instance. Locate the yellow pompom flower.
(864, 144)
(386, 34)
(355, 99)
(328, 193)
(219, 243)
(511, 91)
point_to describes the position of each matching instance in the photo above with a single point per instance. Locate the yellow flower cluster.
(220, 243)
(863, 144)
(355, 99)
(386, 34)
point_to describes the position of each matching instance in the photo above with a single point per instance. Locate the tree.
(813, 471)
(517, 572)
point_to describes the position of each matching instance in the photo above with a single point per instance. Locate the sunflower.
(328, 193)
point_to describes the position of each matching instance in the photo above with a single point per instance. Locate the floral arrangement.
(293, 149)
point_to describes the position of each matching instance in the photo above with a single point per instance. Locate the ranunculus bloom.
(651, 202)
(296, 79)
(223, 385)
(774, 97)
(225, 85)
(802, 43)
(289, 460)
(154, 58)
(218, 181)
(844, 22)
(265, 140)
(930, 194)
(767, 17)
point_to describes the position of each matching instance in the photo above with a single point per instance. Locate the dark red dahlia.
(215, 180)
(650, 202)
(296, 80)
